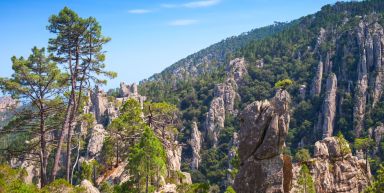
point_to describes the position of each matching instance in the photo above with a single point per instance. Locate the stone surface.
(225, 95)
(317, 80)
(263, 128)
(88, 186)
(195, 143)
(215, 118)
(329, 106)
(7, 107)
(333, 172)
(96, 140)
(370, 40)
(173, 152)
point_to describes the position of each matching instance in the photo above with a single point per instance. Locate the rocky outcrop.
(99, 106)
(334, 170)
(264, 126)
(329, 106)
(96, 141)
(128, 90)
(174, 156)
(370, 40)
(225, 95)
(316, 84)
(195, 143)
(214, 121)
(7, 106)
(233, 147)
(117, 175)
(88, 187)
(378, 135)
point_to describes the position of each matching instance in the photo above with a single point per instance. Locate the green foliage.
(61, 185)
(378, 183)
(364, 144)
(106, 187)
(305, 181)
(302, 155)
(107, 154)
(193, 188)
(11, 181)
(230, 190)
(147, 160)
(283, 84)
(343, 144)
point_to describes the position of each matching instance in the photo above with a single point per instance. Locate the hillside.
(334, 58)
(214, 56)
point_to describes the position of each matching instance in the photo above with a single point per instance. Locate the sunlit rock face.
(333, 171)
(264, 126)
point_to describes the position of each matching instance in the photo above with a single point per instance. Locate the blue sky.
(147, 35)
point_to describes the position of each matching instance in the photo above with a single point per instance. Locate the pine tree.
(305, 181)
(78, 46)
(147, 160)
(36, 81)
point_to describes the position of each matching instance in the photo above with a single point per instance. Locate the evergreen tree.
(305, 181)
(36, 81)
(147, 161)
(78, 45)
(366, 145)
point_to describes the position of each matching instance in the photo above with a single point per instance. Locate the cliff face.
(263, 128)
(195, 142)
(7, 105)
(369, 35)
(329, 107)
(225, 95)
(334, 171)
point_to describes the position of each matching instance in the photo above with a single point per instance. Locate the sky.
(147, 35)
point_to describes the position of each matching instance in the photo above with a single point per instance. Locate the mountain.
(334, 58)
(215, 55)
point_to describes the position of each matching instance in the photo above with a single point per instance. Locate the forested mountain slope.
(334, 58)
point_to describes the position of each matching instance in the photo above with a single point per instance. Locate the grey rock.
(263, 128)
(95, 143)
(333, 172)
(329, 106)
(316, 84)
(88, 186)
(225, 95)
(195, 143)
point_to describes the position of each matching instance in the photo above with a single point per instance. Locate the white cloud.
(193, 4)
(169, 5)
(139, 11)
(204, 3)
(183, 22)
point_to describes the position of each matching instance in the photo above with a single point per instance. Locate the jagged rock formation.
(316, 85)
(128, 90)
(96, 141)
(174, 156)
(117, 175)
(369, 34)
(378, 135)
(99, 104)
(233, 146)
(89, 188)
(329, 106)
(223, 102)
(7, 105)
(195, 143)
(215, 119)
(333, 171)
(263, 128)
